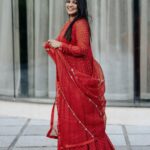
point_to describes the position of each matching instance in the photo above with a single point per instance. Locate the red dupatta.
(79, 120)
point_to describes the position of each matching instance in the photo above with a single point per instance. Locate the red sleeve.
(83, 40)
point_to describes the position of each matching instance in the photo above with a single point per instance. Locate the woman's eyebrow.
(74, 1)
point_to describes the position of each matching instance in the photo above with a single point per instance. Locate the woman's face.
(71, 7)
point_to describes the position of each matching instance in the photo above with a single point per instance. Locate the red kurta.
(78, 117)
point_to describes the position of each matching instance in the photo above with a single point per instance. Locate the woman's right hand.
(46, 45)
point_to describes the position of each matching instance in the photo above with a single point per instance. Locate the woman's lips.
(70, 9)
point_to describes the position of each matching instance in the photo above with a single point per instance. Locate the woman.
(78, 117)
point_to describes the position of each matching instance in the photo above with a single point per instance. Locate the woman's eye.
(67, 1)
(75, 2)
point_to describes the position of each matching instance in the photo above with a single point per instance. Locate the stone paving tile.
(4, 121)
(9, 130)
(34, 135)
(121, 148)
(132, 129)
(32, 141)
(117, 140)
(55, 148)
(5, 141)
(36, 130)
(114, 129)
(139, 139)
(9, 117)
(36, 148)
(141, 148)
(39, 122)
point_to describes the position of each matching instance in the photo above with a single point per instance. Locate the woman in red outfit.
(78, 118)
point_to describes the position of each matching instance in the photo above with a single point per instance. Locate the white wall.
(111, 45)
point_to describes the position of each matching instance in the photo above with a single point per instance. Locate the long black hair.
(81, 13)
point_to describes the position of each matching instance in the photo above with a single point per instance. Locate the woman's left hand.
(54, 43)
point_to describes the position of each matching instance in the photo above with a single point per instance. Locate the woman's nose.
(70, 4)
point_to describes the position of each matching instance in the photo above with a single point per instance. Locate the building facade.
(120, 43)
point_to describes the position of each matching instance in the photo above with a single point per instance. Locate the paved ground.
(29, 134)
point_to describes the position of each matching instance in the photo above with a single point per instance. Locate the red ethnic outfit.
(78, 118)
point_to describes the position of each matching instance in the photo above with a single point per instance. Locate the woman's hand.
(46, 46)
(54, 43)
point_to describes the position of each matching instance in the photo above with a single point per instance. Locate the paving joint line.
(126, 137)
(18, 135)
